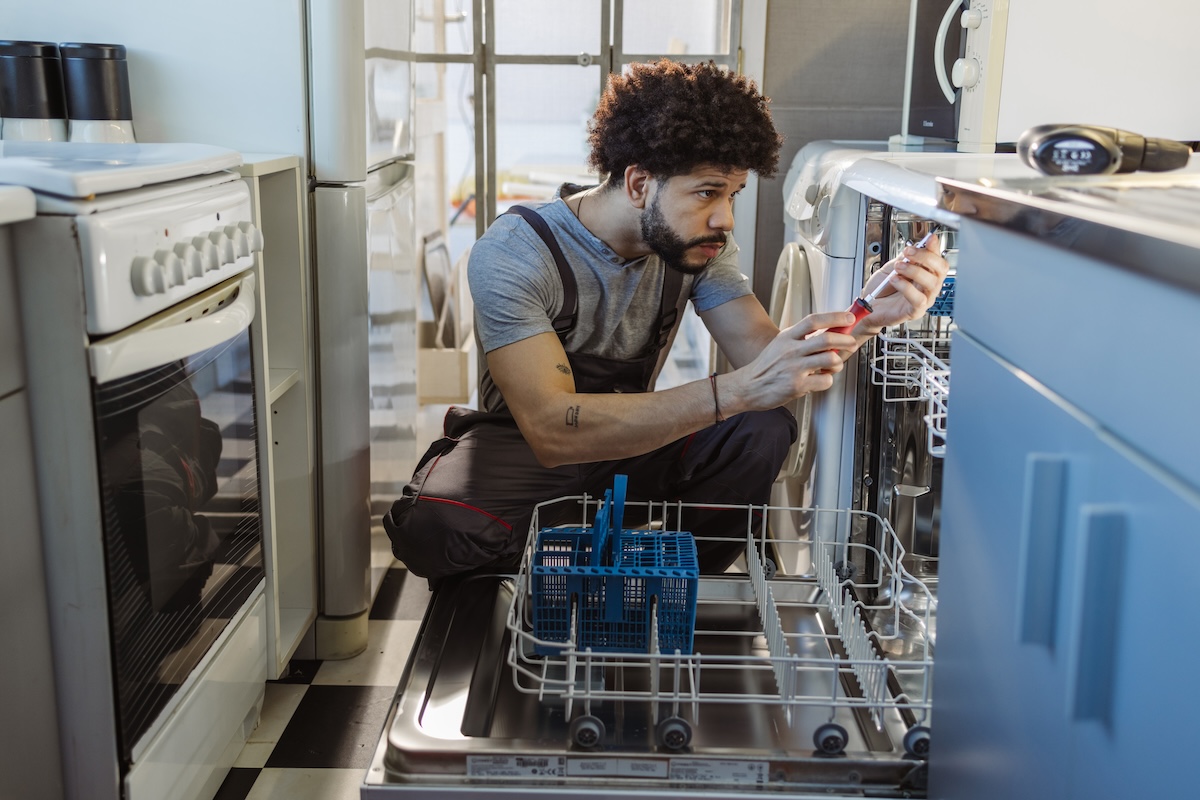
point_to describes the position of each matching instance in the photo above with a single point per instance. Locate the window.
(502, 107)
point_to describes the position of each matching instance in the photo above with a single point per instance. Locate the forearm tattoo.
(573, 416)
(563, 368)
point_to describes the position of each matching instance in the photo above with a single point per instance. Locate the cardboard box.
(444, 374)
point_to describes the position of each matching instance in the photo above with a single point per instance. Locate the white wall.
(223, 72)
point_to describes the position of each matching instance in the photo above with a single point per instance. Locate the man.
(572, 341)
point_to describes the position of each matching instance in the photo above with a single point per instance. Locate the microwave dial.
(965, 73)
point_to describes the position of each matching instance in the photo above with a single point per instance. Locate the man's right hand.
(800, 360)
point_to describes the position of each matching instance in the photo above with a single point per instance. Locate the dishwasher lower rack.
(672, 681)
(798, 686)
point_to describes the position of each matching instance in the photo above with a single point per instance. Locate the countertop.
(16, 203)
(1145, 222)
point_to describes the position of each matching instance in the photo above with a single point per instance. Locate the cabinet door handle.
(1105, 531)
(1041, 548)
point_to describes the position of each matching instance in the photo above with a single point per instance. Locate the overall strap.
(669, 311)
(565, 321)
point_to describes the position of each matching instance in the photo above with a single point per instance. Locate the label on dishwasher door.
(516, 766)
(622, 767)
(703, 770)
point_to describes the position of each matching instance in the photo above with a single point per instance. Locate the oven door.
(173, 401)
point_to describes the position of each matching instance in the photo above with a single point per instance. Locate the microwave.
(981, 72)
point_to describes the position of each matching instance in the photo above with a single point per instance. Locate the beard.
(668, 245)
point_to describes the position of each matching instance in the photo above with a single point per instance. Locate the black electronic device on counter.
(1094, 150)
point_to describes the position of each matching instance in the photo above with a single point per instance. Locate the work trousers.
(471, 500)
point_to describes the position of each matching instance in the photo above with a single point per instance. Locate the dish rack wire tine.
(865, 662)
(781, 663)
(909, 368)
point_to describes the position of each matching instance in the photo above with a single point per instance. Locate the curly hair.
(670, 118)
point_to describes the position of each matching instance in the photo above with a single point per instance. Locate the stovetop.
(155, 224)
(16, 203)
(84, 170)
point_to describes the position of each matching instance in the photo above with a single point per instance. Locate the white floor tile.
(254, 754)
(279, 704)
(381, 550)
(381, 664)
(307, 784)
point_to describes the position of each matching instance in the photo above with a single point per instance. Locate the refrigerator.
(331, 81)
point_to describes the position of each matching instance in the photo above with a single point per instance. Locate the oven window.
(182, 526)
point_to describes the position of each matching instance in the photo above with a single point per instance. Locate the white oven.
(139, 301)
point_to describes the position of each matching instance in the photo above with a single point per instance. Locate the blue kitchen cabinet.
(1064, 657)
(1070, 520)
(1014, 462)
(1133, 651)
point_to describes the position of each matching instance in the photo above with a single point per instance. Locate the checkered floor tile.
(321, 721)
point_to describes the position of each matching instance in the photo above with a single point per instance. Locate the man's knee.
(766, 434)
(435, 537)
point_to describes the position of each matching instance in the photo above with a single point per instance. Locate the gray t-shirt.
(517, 291)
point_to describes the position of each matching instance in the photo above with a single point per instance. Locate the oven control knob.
(971, 19)
(210, 259)
(173, 266)
(254, 235)
(193, 265)
(148, 276)
(241, 244)
(965, 73)
(225, 250)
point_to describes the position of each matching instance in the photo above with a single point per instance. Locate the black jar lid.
(31, 82)
(96, 78)
(14, 49)
(87, 50)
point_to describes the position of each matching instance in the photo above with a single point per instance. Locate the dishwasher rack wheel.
(769, 569)
(916, 741)
(587, 730)
(673, 733)
(830, 739)
(845, 570)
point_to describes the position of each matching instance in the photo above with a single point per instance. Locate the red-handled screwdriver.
(862, 305)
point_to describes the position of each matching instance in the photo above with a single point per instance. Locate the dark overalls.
(470, 502)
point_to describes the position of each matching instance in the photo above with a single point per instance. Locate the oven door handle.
(129, 354)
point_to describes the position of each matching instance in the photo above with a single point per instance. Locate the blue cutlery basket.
(614, 576)
(943, 305)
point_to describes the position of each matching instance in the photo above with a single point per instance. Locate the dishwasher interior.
(903, 392)
(801, 684)
(813, 684)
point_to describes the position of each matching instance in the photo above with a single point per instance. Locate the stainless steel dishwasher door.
(460, 727)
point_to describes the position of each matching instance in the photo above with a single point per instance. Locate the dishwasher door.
(464, 724)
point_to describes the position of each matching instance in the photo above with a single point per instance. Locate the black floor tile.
(334, 727)
(238, 784)
(300, 671)
(401, 595)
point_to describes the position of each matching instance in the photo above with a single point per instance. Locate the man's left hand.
(919, 276)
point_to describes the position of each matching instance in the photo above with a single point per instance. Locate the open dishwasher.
(804, 685)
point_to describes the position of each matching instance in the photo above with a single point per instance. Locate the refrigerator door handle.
(1097, 633)
(1042, 528)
